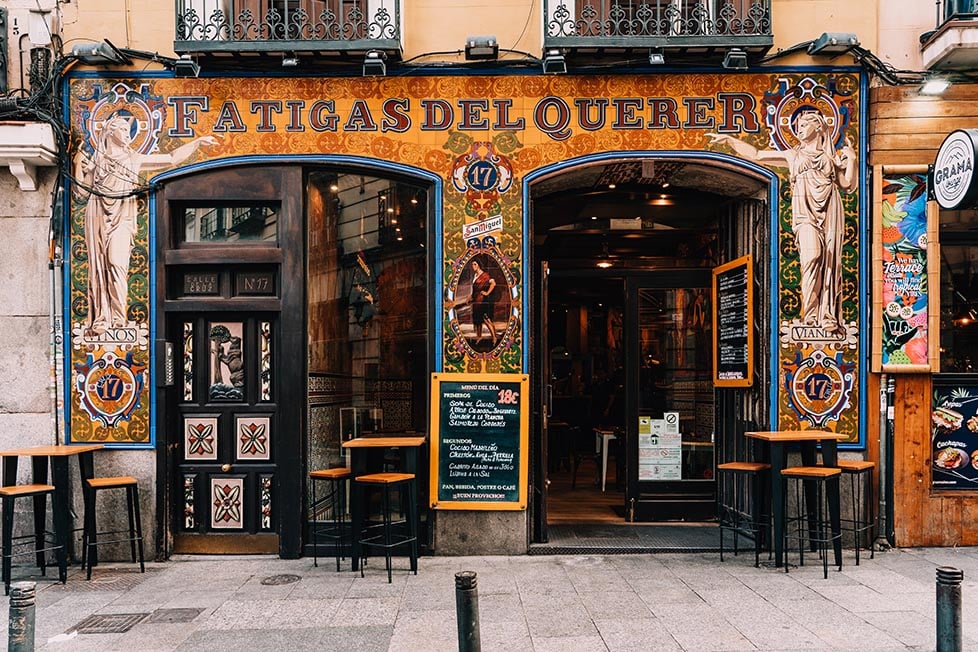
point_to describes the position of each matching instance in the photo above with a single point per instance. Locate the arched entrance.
(622, 248)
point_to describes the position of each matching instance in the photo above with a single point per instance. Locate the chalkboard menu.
(733, 319)
(954, 440)
(479, 441)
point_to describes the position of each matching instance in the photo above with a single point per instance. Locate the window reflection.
(367, 309)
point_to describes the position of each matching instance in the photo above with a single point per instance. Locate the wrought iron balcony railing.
(229, 26)
(666, 24)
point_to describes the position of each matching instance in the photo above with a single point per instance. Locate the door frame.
(282, 184)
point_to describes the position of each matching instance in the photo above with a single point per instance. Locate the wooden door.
(226, 422)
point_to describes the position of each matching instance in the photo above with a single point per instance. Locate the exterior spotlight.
(375, 64)
(735, 59)
(934, 86)
(96, 53)
(656, 58)
(185, 67)
(290, 61)
(481, 48)
(834, 43)
(554, 63)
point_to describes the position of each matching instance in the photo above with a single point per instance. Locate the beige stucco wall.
(442, 25)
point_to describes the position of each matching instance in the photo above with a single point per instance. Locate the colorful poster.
(903, 240)
(954, 441)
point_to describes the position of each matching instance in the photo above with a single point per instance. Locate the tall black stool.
(808, 523)
(134, 535)
(334, 500)
(390, 533)
(40, 493)
(740, 503)
(863, 521)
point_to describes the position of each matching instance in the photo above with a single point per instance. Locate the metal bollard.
(467, 611)
(949, 609)
(20, 632)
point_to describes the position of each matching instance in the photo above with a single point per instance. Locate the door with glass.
(669, 397)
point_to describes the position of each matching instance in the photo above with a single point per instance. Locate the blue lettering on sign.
(818, 387)
(482, 175)
(109, 388)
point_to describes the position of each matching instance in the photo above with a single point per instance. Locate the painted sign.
(479, 441)
(482, 136)
(954, 440)
(953, 178)
(904, 273)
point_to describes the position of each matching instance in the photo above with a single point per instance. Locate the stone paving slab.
(535, 603)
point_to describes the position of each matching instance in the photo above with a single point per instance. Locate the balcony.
(272, 27)
(679, 28)
(953, 45)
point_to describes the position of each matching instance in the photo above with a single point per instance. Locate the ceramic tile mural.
(199, 438)
(253, 437)
(227, 502)
(481, 135)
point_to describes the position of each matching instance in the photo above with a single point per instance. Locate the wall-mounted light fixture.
(96, 53)
(375, 64)
(185, 67)
(934, 86)
(735, 59)
(481, 48)
(290, 61)
(656, 58)
(554, 63)
(833, 43)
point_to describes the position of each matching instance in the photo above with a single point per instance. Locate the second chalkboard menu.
(479, 440)
(733, 323)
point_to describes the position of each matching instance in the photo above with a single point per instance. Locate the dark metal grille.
(108, 623)
(657, 18)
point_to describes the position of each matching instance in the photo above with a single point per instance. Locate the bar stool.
(736, 481)
(803, 525)
(383, 535)
(90, 538)
(335, 501)
(860, 474)
(40, 493)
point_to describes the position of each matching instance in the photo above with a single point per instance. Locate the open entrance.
(630, 427)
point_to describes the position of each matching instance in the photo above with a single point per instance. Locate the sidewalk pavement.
(540, 603)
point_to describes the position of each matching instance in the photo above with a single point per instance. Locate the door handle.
(225, 468)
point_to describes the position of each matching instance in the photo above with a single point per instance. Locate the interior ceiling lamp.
(481, 48)
(735, 59)
(934, 86)
(554, 63)
(656, 58)
(96, 53)
(375, 64)
(834, 43)
(185, 67)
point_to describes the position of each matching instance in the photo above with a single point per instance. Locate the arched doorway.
(622, 251)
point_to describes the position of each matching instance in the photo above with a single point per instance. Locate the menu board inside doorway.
(733, 323)
(479, 441)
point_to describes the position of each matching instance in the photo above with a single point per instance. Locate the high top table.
(808, 440)
(57, 456)
(359, 448)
